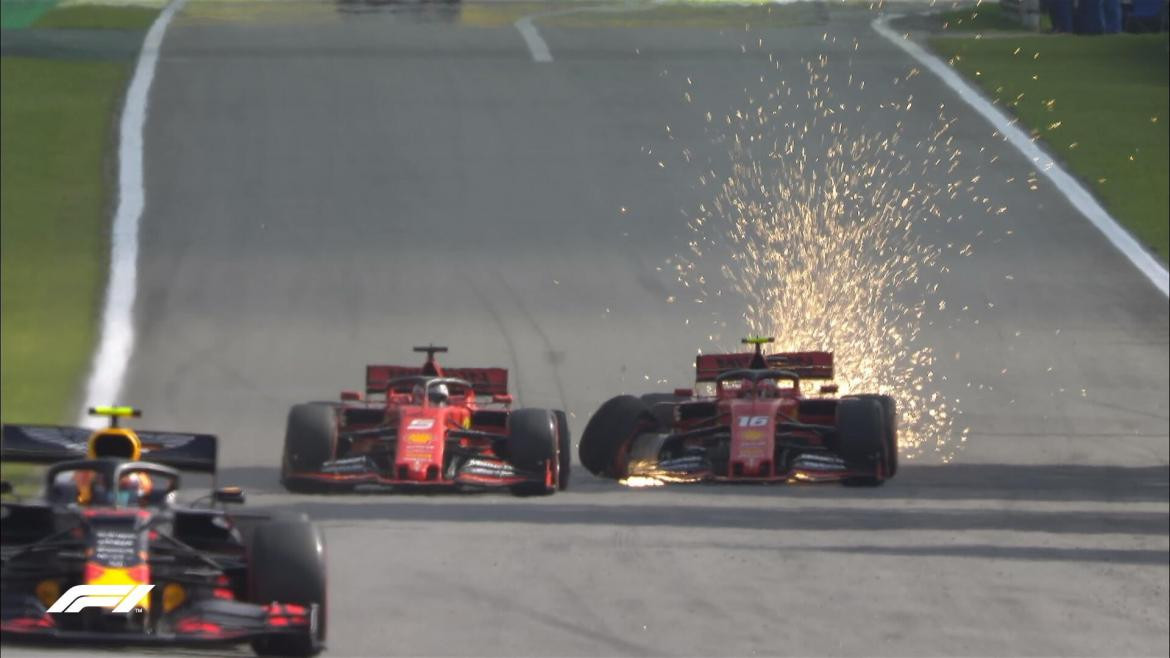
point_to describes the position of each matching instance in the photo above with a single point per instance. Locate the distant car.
(426, 427)
(109, 556)
(755, 423)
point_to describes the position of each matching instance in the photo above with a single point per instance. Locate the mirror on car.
(227, 495)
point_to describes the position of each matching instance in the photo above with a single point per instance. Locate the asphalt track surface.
(328, 185)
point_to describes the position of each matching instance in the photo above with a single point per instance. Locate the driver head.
(746, 388)
(133, 488)
(439, 394)
(766, 388)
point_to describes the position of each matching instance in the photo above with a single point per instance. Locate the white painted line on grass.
(535, 42)
(117, 330)
(1070, 187)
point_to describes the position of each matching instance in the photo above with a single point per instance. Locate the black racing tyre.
(286, 563)
(310, 438)
(532, 436)
(532, 443)
(890, 415)
(564, 449)
(861, 438)
(246, 525)
(612, 426)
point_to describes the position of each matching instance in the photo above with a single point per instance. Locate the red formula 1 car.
(426, 427)
(754, 424)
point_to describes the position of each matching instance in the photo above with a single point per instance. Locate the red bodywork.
(741, 430)
(412, 442)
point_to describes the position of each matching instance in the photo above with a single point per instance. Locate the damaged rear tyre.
(609, 430)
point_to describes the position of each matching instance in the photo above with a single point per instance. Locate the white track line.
(535, 42)
(1076, 193)
(117, 330)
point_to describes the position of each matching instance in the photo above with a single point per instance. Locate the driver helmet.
(767, 388)
(133, 489)
(418, 393)
(439, 394)
(746, 387)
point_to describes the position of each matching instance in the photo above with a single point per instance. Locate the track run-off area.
(326, 184)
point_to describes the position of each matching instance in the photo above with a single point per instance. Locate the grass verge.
(16, 14)
(98, 17)
(57, 126)
(1101, 104)
(56, 118)
(987, 16)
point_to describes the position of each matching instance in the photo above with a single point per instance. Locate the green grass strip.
(1101, 104)
(57, 130)
(987, 16)
(99, 17)
(16, 14)
(57, 120)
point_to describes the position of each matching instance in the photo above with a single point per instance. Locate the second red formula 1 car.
(426, 427)
(754, 425)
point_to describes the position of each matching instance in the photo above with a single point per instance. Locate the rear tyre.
(609, 431)
(310, 438)
(286, 562)
(564, 450)
(532, 444)
(861, 439)
(890, 416)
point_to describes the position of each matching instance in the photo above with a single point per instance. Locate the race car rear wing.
(48, 444)
(807, 365)
(486, 381)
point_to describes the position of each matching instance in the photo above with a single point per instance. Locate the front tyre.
(861, 440)
(564, 450)
(890, 421)
(310, 439)
(533, 444)
(286, 563)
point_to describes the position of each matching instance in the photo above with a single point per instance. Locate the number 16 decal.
(753, 421)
